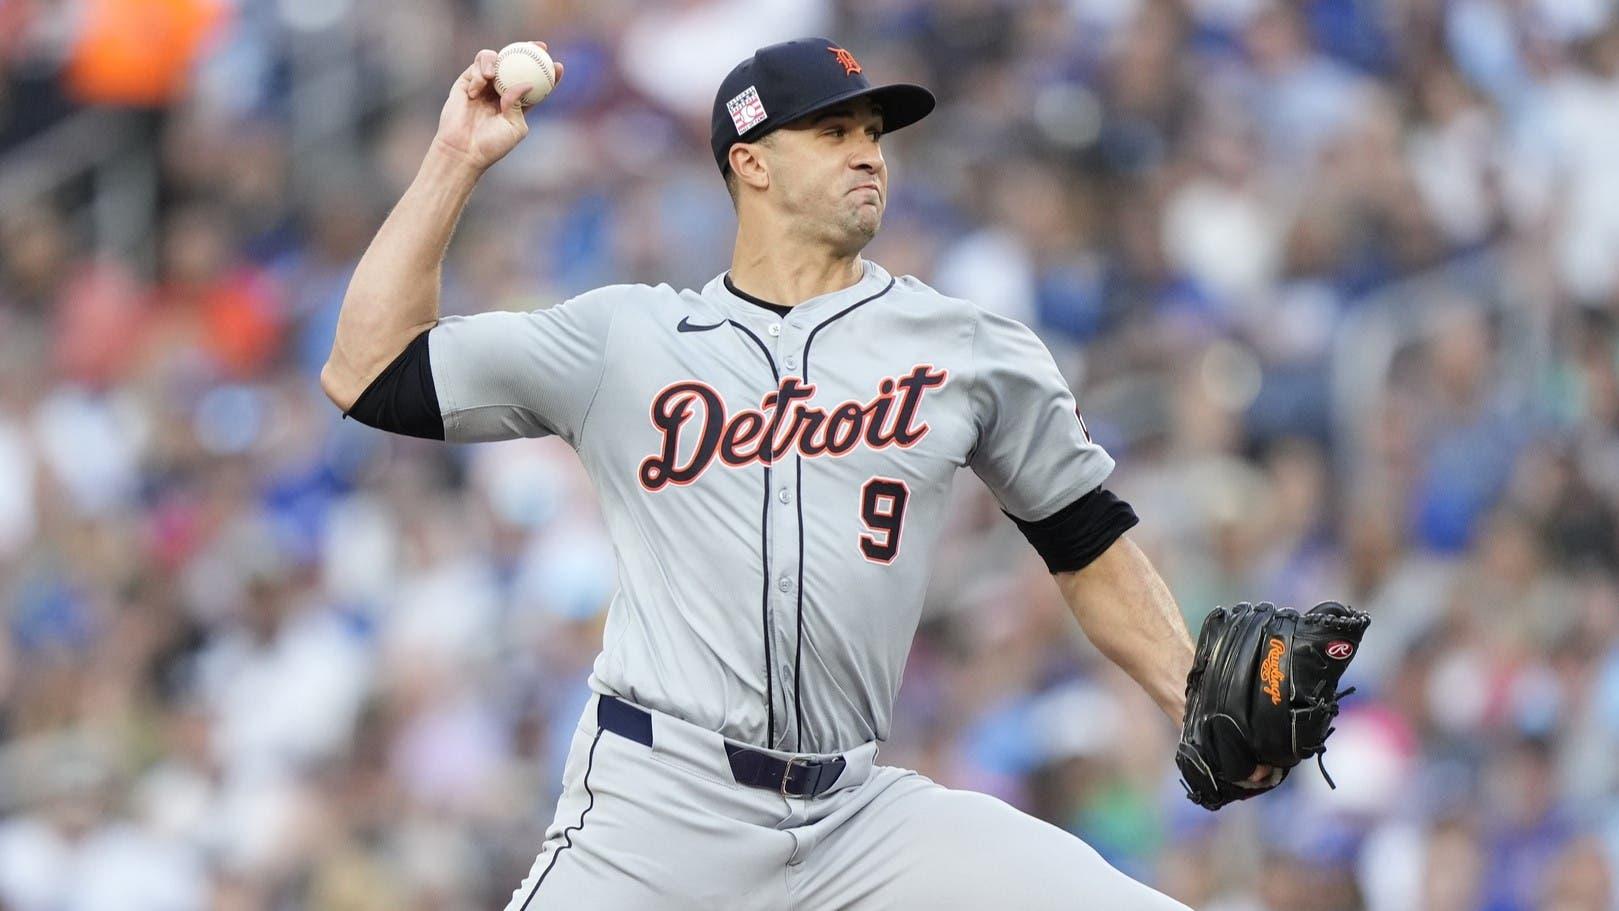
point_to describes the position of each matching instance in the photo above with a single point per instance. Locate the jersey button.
(784, 495)
(785, 584)
(791, 362)
(775, 329)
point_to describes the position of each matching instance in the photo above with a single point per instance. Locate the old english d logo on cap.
(851, 66)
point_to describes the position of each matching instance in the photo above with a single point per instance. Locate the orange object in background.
(242, 322)
(138, 53)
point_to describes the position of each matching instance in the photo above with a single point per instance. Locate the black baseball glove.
(1263, 690)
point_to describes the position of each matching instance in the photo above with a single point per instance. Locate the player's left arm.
(1035, 454)
(1128, 613)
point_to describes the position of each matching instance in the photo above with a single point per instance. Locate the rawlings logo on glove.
(1271, 671)
(1263, 690)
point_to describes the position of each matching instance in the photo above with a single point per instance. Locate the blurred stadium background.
(1336, 280)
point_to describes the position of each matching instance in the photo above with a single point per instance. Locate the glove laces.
(1320, 763)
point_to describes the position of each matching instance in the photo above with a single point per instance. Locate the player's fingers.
(1264, 775)
(465, 80)
(480, 73)
(559, 73)
(511, 105)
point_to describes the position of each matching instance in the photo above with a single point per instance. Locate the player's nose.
(868, 157)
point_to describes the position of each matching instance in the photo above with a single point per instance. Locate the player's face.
(828, 175)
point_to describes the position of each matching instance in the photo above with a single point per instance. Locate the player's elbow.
(338, 384)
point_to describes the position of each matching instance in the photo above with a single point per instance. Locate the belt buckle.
(787, 772)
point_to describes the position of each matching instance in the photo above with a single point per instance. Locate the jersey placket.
(786, 338)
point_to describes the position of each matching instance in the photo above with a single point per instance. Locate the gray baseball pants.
(666, 826)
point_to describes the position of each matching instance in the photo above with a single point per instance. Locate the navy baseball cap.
(783, 82)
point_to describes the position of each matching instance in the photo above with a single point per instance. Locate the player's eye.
(835, 132)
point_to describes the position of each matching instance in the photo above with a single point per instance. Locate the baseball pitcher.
(773, 453)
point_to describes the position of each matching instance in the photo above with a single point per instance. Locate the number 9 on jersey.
(882, 508)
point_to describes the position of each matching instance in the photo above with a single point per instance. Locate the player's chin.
(866, 218)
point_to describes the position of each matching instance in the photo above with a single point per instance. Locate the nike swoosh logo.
(686, 325)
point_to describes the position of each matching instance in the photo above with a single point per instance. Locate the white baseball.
(527, 62)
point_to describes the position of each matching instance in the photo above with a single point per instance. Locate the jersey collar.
(730, 286)
(873, 279)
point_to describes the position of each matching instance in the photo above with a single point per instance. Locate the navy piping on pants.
(567, 834)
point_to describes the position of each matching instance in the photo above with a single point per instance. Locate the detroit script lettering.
(783, 422)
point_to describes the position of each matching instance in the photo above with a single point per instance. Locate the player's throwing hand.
(478, 124)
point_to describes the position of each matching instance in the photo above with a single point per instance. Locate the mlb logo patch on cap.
(747, 111)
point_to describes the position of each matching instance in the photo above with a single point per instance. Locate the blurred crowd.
(1336, 281)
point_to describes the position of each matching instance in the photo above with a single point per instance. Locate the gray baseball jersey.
(773, 486)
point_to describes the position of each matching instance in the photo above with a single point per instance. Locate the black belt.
(792, 777)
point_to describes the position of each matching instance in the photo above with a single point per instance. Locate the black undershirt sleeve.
(1069, 539)
(402, 398)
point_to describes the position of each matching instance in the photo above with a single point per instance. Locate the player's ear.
(748, 164)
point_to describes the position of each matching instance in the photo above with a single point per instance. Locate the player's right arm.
(393, 297)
